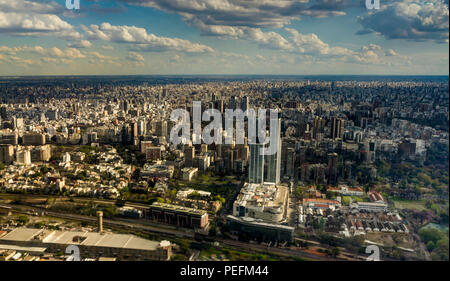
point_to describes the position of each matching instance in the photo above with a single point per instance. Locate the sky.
(303, 37)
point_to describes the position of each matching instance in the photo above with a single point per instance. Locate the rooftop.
(93, 239)
(178, 208)
(22, 234)
(266, 195)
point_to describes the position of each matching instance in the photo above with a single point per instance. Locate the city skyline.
(129, 37)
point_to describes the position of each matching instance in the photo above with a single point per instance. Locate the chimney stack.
(100, 221)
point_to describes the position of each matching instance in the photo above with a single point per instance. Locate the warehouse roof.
(85, 238)
(177, 208)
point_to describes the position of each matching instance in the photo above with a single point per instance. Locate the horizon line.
(299, 75)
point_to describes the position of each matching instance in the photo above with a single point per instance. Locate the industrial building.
(177, 215)
(91, 244)
(260, 230)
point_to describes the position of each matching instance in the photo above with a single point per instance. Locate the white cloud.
(80, 44)
(271, 39)
(313, 47)
(409, 19)
(26, 6)
(107, 47)
(249, 13)
(27, 18)
(135, 59)
(142, 40)
(38, 55)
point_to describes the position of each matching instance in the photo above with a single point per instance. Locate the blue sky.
(403, 37)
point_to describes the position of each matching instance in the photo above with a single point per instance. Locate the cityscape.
(359, 163)
(105, 163)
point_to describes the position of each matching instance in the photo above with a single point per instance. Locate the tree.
(220, 198)
(44, 170)
(299, 193)
(23, 219)
(430, 234)
(441, 251)
(430, 246)
(212, 230)
(335, 252)
(194, 195)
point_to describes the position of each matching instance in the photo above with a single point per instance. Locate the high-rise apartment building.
(337, 128)
(6, 153)
(33, 139)
(274, 160)
(258, 161)
(256, 164)
(189, 155)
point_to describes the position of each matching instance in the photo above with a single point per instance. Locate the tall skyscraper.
(337, 128)
(369, 149)
(256, 164)
(245, 103)
(318, 127)
(274, 161)
(218, 104)
(189, 155)
(232, 103)
(332, 168)
(161, 128)
(290, 162)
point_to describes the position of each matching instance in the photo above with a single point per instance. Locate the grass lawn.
(410, 204)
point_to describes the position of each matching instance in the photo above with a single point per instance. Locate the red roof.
(318, 200)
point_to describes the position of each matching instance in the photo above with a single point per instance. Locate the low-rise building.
(189, 173)
(376, 197)
(370, 206)
(91, 244)
(267, 202)
(157, 171)
(345, 190)
(318, 203)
